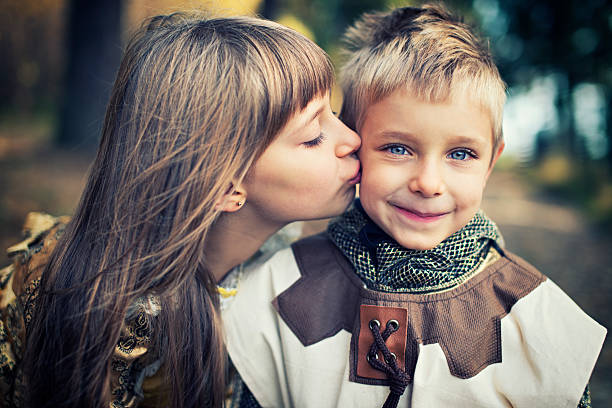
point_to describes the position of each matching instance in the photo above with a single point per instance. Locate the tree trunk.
(94, 51)
(269, 9)
(609, 127)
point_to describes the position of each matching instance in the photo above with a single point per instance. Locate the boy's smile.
(424, 166)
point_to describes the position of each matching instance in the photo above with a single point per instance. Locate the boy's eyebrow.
(392, 134)
(467, 139)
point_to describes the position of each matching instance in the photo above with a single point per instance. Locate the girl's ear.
(233, 199)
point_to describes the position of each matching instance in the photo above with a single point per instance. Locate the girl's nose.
(348, 141)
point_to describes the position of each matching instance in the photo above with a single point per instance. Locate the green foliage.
(567, 39)
(586, 183)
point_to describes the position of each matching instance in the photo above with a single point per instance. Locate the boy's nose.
(427, 181)
(349, 141)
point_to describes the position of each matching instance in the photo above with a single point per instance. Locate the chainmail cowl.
(384, 265)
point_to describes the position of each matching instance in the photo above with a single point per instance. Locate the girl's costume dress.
(136, 378)
(348, 318)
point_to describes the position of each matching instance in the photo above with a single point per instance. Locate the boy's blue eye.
(460, 155)
(397, 149)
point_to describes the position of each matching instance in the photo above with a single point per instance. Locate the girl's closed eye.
(462, 154)
(315, 142)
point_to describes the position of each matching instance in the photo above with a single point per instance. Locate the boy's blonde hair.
(426, 50)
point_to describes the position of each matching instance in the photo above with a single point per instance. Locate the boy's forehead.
(402, 112)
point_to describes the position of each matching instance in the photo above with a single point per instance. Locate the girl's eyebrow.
(310, 119)
(296, 128)
(315, 114)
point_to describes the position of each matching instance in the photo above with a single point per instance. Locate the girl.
(218, 133)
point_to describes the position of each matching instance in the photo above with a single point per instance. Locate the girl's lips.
(356, 178)
(419, 216)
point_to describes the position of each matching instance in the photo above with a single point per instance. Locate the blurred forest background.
(552, 192)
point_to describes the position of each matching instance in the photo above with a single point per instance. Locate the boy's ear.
(496, 155)
(233, 199)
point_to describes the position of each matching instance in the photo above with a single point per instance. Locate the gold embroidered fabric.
(136, 379)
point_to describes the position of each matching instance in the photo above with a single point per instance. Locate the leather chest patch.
(376, 318)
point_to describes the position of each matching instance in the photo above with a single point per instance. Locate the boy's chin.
(423, 247)
(418, 245)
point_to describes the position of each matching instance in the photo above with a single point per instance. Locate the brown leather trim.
(465, 320)
(396, 343)
(323, 301)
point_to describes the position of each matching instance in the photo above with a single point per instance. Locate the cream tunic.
(549, 347)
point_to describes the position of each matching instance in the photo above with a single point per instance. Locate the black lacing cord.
(398, 377)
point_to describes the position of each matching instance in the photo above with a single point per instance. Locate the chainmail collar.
(384, 265)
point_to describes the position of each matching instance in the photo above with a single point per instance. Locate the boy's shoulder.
(316, 293)
(517, 263)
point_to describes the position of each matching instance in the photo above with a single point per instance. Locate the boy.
(412, 289)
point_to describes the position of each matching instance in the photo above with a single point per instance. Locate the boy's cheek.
(367, 167)
(363, 155)
(371, 177)
(384, 173)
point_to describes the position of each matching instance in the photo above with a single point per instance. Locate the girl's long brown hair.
(195, 102)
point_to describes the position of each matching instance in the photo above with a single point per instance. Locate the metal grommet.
(393, 356)
(374, 324)
(394, 324)
(368, 357)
